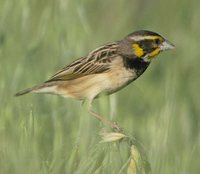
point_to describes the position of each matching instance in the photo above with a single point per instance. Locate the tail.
(25, 91)
(44, 88)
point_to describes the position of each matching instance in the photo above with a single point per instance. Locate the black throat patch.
(136, 64)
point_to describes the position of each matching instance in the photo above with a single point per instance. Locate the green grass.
(46, 134)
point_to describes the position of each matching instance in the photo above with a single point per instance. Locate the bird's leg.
(111, 124)
(107, 122)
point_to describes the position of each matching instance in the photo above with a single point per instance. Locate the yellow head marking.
(138, 50)
(153, 37)
(154, 52)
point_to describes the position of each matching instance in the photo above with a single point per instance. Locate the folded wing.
(97, 61)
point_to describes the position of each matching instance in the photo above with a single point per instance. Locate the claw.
(115, 126)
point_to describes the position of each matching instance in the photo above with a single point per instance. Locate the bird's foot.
(115, 126)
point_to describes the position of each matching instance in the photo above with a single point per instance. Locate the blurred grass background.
(48, 134)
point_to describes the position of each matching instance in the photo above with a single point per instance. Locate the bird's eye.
(157, 41)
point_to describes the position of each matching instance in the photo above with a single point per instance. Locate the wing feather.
(97, 61)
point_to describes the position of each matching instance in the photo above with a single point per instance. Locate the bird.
(105, 70)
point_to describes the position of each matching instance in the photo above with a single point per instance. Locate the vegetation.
(46, 134)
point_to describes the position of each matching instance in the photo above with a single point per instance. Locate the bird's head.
(144, 45)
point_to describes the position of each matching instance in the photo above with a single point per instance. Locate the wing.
(97, 61)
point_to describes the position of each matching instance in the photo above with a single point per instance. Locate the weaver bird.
(106, 69)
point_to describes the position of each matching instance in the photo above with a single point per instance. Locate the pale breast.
(120, 78)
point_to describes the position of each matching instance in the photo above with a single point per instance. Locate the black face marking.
(147, 45)
(157, 41)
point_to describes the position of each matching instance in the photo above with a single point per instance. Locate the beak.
(166, 45)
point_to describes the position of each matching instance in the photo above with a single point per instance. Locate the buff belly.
(91, 86)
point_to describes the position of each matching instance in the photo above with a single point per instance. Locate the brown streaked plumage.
(106, 69)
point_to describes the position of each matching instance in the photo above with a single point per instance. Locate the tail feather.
(44, 88)
(25, 91)
(28, 90)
